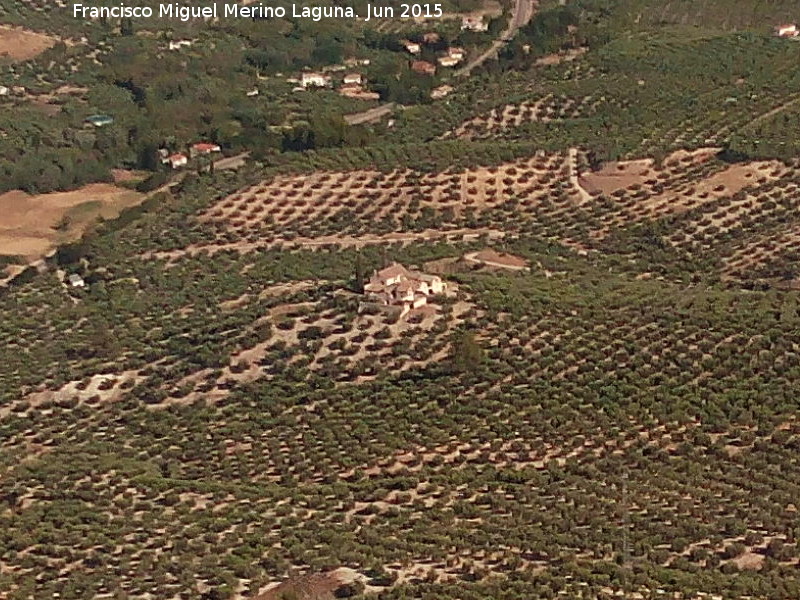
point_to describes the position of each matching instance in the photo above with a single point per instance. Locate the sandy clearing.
(30, 226)
(22, 245)
(749, 561)
(18, 44)
(106, 387)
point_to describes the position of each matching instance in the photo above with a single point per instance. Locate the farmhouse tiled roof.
(393, 270)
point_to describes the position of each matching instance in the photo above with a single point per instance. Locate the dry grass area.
(18, 44)
(561, 57)
(126, 175)
(102, 387)
(616, 176)
(32, 226)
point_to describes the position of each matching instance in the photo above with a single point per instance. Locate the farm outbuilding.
(76, 280)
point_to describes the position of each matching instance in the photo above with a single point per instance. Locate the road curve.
(523, 13)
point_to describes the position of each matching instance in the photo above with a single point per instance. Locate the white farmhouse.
(312, 79)
(397, 286)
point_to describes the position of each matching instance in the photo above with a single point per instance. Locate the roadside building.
(176, 161)
(411, 47)
(76, 281)
(441, 91)
(455, 52)
(353, 90)
(203, 148)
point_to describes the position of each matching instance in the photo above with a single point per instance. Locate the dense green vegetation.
(131, 74)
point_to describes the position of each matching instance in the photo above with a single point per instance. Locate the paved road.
(523, 13)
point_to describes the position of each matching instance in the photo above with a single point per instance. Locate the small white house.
(76, 280)
(176, 161)
(411, 47)
(311, 79)
(448, 61)
(4, 91)
(353, 78)
(457, 53)
(253, 92)
(788, 30)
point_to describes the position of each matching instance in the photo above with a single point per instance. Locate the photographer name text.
(255, 11)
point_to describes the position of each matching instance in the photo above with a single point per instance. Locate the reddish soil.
(500, 258)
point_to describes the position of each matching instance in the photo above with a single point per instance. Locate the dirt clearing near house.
(17, 44)
(31, 226)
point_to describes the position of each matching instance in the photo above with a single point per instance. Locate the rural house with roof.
(397, 286)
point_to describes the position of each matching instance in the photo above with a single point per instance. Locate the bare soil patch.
(18, 44)
(315, 586)
(31, 226)
(617, 176)
(501, 259)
